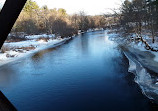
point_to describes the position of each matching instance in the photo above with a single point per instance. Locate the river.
(89, 73)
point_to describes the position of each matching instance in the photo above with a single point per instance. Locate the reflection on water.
(39, 55)
(87, 74)
(7, 76)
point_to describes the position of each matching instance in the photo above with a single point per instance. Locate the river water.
(89, 73)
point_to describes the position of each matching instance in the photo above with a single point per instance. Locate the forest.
(35, 20)
(139, 17)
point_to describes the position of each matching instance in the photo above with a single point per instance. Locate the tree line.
(34, 20)
(139, 16)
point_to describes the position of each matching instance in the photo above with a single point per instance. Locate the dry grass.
(25, 48)
(5, 48)
(15, 39)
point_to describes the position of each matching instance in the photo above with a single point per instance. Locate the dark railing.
(8, 16)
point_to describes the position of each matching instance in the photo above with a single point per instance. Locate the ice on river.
(143, 78)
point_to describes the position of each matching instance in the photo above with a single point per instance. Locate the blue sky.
(91, 7)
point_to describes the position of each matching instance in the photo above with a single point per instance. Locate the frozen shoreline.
(141, 63)
(142, 78)
(38, 45)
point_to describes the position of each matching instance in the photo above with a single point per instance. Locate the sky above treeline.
(91, 7)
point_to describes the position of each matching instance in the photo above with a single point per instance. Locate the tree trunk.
(152, 31)
(140, 30)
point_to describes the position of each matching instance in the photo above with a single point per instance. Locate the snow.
(156, 56)
(22, 43)
(42, 35)
(141, 47)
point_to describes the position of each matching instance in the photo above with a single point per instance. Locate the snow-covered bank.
(134, 41)
(38, 36)
(141, 46)
(142, 62)
(90, 30)
(23, 48)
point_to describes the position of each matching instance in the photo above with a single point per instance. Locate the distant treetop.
(30, 6)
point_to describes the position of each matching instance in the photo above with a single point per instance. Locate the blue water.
(89, 73)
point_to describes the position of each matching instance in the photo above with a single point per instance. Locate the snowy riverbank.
(34, 43)
(142, 62)
(133, 41)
